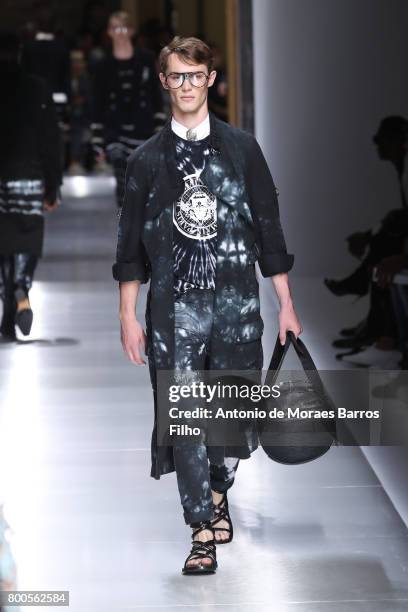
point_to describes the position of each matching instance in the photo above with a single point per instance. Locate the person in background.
(80, 113)
(127, 101)
(154, 35)
(217, 95)
(386, 273)
(30, 177)
(92, 38)
(47, 57)
(373, 247)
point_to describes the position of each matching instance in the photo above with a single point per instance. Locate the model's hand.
(50, 206)
(132, 336)
(288, 321)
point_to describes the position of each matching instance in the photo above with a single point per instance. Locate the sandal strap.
(221, 512)
(204, 546)
(227, 529)
(199, 527)
(221, 518)
(222, 505)
(201, 550)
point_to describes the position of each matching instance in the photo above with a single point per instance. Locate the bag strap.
(279, 353)
(306, 360)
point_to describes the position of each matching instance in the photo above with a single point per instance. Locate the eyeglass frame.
(184, 75)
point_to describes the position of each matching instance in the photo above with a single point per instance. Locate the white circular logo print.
(195, 212)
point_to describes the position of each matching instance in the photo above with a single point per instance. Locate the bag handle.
(279, 352)
(278, 355)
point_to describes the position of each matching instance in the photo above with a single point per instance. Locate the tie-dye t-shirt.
(194, 220)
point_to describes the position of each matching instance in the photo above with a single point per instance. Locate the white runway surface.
(76, 421)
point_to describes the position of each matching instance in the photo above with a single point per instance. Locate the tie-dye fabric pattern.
(248, 231)
(194, 220)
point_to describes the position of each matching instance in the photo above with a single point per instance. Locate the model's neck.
(190, 120)
(123, 49)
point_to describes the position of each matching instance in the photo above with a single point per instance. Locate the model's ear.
(211, 79)
(162, 77)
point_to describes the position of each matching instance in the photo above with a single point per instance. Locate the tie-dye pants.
(196, 475)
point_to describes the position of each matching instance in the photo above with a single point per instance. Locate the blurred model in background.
(127, 100)
(30, 177)
(80, 114)
(47, 56)
(218, 94)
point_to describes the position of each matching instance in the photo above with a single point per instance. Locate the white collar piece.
(201, 130)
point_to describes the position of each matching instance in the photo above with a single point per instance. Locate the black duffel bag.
(292, 440)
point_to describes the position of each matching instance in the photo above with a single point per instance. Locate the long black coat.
(249, 230)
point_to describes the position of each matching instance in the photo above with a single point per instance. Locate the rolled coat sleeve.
(131, 258)
(273, 256)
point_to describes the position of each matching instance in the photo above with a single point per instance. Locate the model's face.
(118, 31)
(187, 98)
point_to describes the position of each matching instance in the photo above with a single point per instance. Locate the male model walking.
(200, 209)
(127, 100)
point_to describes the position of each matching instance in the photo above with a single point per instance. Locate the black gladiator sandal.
(201, 550)
(221, 512)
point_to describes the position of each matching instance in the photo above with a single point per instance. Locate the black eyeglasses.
(174, 80)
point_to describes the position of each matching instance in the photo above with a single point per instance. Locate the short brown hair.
(189, 49)
(123, 17)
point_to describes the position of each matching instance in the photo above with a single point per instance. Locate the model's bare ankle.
(204, 536)
(217, 497)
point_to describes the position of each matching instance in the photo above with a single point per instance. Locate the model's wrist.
(286, 303)
(127, 315)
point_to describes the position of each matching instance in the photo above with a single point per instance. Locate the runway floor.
(76, 421)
